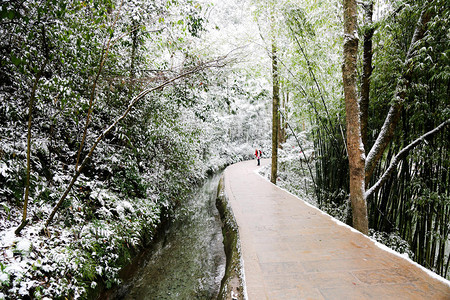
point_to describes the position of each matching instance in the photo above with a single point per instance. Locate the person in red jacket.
(258, 155)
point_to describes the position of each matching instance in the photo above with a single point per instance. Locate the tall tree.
(355, 146)
(355, 124)
(275, 98)
(270, 13)
(275, 116)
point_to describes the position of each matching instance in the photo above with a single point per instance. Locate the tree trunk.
(103, 57)
(285, 123)
(355, 147)
(367, 69)
(282, 122)
(275, 116)
(27, 183)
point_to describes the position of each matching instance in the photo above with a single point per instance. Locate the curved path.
(294, 251)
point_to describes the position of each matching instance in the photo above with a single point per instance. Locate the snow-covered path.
(293, 251)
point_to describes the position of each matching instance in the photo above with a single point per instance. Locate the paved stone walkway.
(293, 251)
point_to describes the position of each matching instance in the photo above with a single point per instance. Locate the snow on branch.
(217, 63)
(401, 155)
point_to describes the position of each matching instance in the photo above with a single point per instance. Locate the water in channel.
(188, 261)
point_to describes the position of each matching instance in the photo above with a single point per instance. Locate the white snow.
(23, 291)
(15, 268)
(4, 277)
(3, 169)
(24, 245)
(127, 205)
(99, 270)
(7, 238)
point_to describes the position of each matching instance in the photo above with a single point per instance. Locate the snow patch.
(3, 169)
(24, 245)
(4, 277)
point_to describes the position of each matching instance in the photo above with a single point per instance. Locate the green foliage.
(413, 199)
(145, 166)
(195, 25)
(129, 182)
(298, 23)
(12, 179)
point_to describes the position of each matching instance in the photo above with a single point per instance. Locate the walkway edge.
(233, 283)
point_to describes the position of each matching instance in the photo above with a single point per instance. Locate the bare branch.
(390, 123)
(403, 153)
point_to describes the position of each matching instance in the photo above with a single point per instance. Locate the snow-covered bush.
(393, 240)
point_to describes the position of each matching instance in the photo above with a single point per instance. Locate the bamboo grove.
(414, 202)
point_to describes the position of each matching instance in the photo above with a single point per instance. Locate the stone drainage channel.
(188, 261)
